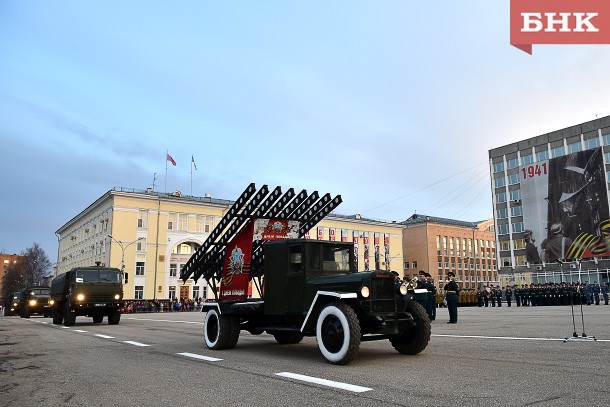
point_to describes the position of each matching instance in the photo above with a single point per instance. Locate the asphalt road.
(492, 357)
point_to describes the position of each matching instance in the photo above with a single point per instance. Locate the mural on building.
(565, 207)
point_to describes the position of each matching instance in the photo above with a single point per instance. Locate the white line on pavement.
(136, 343)
(324, 382)
(79, 330)
(104, 336)
(200, 357)
(511, 338)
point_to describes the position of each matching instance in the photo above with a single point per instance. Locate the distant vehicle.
(36, 300)
(13, 304)
(95, 292)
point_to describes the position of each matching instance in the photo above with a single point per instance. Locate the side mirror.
(126, 278)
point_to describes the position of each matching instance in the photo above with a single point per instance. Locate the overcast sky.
(392, 104)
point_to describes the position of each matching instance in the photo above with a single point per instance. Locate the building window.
(204, 294)
(195, 292)
(527, 159)
(607, 158)
(209, 224)
(516, 210)
(143, 219)
(200, 224)
(518, 227)
(139, 268)
(172, 292)
(446, 264)
(138, 292)
(414, 265)
(574, 147)
(505, 261)
(173, 270)
(502, 213)
(516, 194)
(513, 179)
(499, 182)
(501, 197)
(498, 167)
(438, 245)
(606, 139)
(542, 155)
(513, 163)
(183, 222)
(519, 244)
(440, 264)
(557, 152)
(171, 221)
(141, 245)
(592, 143)
(503, 229)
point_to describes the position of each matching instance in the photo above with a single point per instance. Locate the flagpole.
(192, 160)
(166, 153)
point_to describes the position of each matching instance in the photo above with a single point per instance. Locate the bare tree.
(14, 278)
(38, 265)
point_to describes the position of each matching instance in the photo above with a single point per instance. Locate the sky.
(394, 105)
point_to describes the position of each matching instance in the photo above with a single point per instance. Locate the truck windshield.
(40, 291)
(95, 276)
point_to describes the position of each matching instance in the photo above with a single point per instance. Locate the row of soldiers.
(546, 294)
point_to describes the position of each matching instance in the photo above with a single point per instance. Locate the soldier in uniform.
(518, 295)
(480, 297)
(596, 290)
(604, 291)
(486, 295)
(509, 295)
(499, 295)
(452, 291)
(431, 297)
(524, 295)
(492, 295)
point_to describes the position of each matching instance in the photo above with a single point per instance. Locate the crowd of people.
(175, 305)
(547, 294)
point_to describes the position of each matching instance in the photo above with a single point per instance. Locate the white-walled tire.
(220, 331)
(338, 333)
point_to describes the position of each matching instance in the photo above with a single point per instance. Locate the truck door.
(295, 279)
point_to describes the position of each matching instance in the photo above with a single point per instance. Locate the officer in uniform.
(596, 290)
(492, 295)
(604, 291)
(518, 295)
(480, 297)
(452, 291)
(499, 295)
(524, 295)
(422, 284)
(509, 295)
(431, 297)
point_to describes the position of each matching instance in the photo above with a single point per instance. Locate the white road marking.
(62, 326)
(79, 330)
(200, 357)
(513, 338)
(104, 336)
(136, 343)
(164, 320)
(324, 382)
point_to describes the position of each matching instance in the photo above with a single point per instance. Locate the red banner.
(236, 270)
(559, 22)
(331, 235)
(320, 233)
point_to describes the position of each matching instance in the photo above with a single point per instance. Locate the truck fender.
(321, 298)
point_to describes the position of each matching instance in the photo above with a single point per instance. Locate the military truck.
(306, 287)
(95, 292)
(13, 304)
(36, 300)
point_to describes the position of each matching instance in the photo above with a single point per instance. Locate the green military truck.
(307, 287)
(95, 292)
(36, 300)
(13, 304)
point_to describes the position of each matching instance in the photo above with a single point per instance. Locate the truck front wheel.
(220, 331)
(338, 333)
(57, 317)
(69, 317)
(113, 318)
(415, 339)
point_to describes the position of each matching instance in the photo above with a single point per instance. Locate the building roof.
(418, 219)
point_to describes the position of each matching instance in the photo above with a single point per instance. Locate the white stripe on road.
(164, 320)
(104, 336)
(136, 343)
(62, 326)
(516, 338)
(79, 330)
(200, 357)
(324, 382)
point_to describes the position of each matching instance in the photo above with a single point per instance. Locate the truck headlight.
(51, 302)
(117, 296)
(80, 297)
(32, 303)
(364, 292)
(403, 290)
(14, 304)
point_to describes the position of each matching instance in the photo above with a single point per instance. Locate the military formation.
(544, 294)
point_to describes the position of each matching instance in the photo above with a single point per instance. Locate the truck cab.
(36, 300)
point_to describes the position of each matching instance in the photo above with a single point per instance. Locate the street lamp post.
(123, 248)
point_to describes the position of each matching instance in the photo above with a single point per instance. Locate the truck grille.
(383, 295)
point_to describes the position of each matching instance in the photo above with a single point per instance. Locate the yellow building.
(153, 234)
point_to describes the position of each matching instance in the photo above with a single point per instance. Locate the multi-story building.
(439, 245)
(550, 201)
(152, 235)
